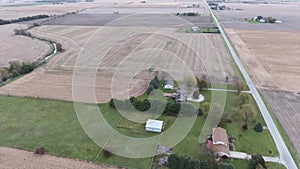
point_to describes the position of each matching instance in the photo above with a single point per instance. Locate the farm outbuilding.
(154, 125)
(169, 84)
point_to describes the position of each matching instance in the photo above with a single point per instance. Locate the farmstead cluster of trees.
(170, 107)
(14, 69)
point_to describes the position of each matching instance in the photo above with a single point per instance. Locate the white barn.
(154, 125)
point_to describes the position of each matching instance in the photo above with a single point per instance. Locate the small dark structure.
(39, 150)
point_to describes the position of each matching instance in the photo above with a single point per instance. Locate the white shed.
(169, 84)
(154, 125)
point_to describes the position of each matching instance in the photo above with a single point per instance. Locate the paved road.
(285, 155)
(227, 90)
(242, 155)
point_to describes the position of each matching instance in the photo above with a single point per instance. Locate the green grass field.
(28, 122)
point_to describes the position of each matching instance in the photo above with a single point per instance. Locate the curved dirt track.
(11, 158)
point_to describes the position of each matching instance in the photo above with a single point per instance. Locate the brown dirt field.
(272, 59)
(7, 13)
(11, 158)
(54, 80)
(13, 47)
(286, 12)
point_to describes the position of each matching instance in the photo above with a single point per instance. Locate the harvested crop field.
(54, 80)
(272, 59)
(13, 158)
(285, 12)
(103, 19)
(7, 13)
(14, 47)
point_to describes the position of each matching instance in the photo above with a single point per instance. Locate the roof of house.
(219, 135)
(169, 82)
(217, 148)
(154, 123)
(220, 141)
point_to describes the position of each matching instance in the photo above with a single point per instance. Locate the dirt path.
(11, 158)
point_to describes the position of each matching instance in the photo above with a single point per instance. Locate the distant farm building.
(220, 145)
(195, 29)
(154, 125)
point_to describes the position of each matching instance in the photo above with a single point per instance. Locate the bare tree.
(239, 86)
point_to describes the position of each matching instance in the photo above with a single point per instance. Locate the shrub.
(107, 153)
(172, 108)
(200, 112)
(245, 127)
(228, 166)
(255, 161)
(59, 47)
(150, 89)
(39, 150)
(258, 127)
(112, 103)
(26, 68)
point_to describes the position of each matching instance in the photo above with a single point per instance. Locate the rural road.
(285, 156)
(227, 90)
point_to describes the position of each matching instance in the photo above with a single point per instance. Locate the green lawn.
(29, 122)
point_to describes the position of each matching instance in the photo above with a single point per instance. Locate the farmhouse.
(220, 145)
(154, 125)
(169, 84)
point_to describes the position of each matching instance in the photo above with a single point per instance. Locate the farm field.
(27, 159)
(285, 12)
(27, 49)
(274, 65)
(8, 13)
(59, 70)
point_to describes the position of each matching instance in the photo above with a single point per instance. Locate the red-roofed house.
(220, 145)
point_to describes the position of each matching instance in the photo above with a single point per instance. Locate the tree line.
(22, 19)
(184, 162)
(170, 107)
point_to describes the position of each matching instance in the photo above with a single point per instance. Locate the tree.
(258, 127)
(200, 112)
(3, 74)
(244, 98)
(112, 103)
(239, 86)
(258, 18)
(190, 81)
(257, 161)
(150, 89)
(26, 67)
(248, 112)
(206, 108)
(173, 161)
(59, 47)
(202, 84)
(196, 95)
(227, 166)
(172, 108)
(14, 66)
(154, 82)
(107, 153)
(271, 20)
